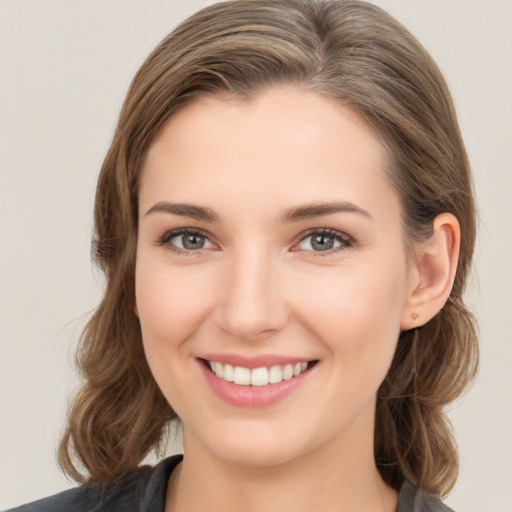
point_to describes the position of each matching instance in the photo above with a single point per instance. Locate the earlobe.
(435, 268)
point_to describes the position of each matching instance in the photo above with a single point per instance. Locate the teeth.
(219, 370)
(242, 376)
(275, 375)
(287, 372)
(258, 376)
(229, 373)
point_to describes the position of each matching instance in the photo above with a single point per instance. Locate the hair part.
(350, 52)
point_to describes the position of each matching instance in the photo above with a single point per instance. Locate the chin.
(258, 455)
(255, 445)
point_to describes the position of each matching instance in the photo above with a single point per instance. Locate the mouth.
(258, 377)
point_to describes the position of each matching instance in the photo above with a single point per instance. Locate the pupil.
(193, 241)
(322, 242)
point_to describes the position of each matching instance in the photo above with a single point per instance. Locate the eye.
(186, 240)
(324, 241)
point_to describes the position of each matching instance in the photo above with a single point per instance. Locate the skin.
(258, 286)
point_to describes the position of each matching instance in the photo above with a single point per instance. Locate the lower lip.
(252, 396)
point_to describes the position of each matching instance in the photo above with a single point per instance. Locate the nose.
(252, 307)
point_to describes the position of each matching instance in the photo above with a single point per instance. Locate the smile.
(260, 381)
(262, 376)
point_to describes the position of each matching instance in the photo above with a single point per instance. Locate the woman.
(285, 220)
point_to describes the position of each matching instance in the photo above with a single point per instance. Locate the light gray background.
(64, 69)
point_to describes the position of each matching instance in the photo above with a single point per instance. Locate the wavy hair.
(348, 51)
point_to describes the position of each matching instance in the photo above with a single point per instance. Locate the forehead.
(285, 145)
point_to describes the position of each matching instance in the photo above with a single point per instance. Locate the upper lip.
(257, 361)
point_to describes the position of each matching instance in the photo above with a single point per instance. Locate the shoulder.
(138, 491)
(416, 500)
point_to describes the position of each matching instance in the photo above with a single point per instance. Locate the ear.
(433, 269)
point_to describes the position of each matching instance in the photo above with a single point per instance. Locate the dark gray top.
(144, 491)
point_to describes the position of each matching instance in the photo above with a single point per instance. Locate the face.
(270, 252)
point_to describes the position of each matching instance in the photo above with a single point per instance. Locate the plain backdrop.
(64, 69)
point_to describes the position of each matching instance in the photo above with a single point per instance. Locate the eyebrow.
(310, 211)
(185, 210)
(294, 214)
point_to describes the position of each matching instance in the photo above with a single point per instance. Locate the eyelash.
(344, 240)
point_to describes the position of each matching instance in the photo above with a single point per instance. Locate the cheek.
(171, 304)
(357, 313)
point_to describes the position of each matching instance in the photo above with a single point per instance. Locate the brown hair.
(348, 51)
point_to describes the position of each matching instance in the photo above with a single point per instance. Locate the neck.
(328, 479)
